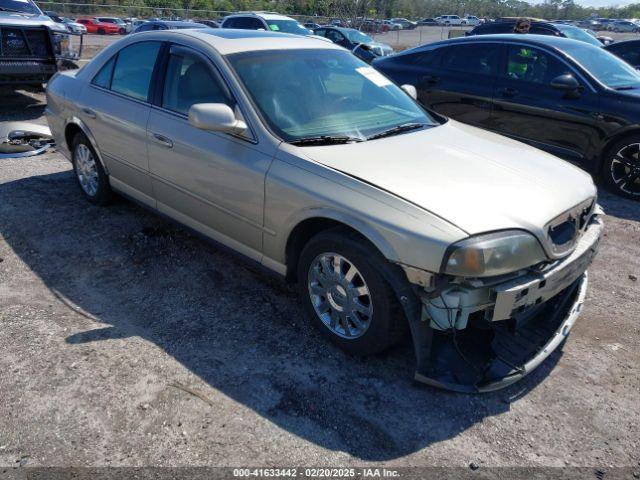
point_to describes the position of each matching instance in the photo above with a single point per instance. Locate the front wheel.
(101, 31)
(621, 168)
(345, 294)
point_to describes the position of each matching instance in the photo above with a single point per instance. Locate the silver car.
(390, 218)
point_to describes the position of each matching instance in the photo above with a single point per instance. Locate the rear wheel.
(621, 169)
(91, 177)
(345, 294)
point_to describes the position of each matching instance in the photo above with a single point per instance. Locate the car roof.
(229, 40)
(265, 15)
(177, 23)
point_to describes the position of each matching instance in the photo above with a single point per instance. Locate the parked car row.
(390, 217)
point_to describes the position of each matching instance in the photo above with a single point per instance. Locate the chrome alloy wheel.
(625, 169)
(86, 169)
(339, 295)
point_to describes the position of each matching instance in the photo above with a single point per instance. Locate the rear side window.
(479, 59)
(103, 77)
(248, 23)
(133, 69)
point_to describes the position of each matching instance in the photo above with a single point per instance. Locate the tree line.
(413, 9)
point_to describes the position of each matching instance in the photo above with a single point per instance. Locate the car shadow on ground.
(20, 106)
(234, 326)
(619, 207)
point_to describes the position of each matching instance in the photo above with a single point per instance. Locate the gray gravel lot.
(126, 341)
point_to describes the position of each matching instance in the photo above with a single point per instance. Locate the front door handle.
(167, 142)
(89, 113)
(508, 92)
(431, 79)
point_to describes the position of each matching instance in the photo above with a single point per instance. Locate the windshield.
(357, 37)
(604, 66)
(22, 6)
(317, 92)
(578, 34)
(287, 26)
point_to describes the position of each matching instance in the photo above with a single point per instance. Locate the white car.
(448, 20)
(471, 20)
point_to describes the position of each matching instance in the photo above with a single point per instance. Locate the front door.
(210, 181)
(528, 108)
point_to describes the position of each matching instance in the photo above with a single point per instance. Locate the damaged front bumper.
(481, 335)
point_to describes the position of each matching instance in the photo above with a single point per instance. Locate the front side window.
(358, 37)
(604, 66)
(533, 65)
(321, 92)
(287, 26)
(133, 69)
(481, 59)
(189, 80)
(334, 36)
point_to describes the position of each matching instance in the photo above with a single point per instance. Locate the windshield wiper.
(626, 87)
(325, 140)
(405, 127)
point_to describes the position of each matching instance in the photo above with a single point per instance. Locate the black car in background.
(572, 99)
(168, 25)
(537, 28)
(629, 51)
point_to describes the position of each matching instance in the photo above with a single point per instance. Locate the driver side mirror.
(410, 90)
(215, 117)
(568, 83)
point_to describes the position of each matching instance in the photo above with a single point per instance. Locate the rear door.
(459, 80)
(116, 108)
(528, 108)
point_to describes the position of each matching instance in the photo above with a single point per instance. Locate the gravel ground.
(128, 342)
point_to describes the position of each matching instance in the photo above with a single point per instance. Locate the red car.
(96, 26)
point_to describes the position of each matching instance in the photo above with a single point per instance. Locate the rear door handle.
(167, 142)
(508, 92)
(89, 113)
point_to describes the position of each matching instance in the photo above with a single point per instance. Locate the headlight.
(67, 45)
(493, 254)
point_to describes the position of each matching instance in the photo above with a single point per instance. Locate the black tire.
(387, 324)
(616, 168)
(101, 31)
(122, 31)
(103, 194)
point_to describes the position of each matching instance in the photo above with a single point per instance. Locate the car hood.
(28, 20)
(476, 180)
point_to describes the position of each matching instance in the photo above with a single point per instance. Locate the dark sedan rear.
(570, 98)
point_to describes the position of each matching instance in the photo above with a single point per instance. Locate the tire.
(362, 315)
(621, 167)
(122, 31)
(91, 177)
(101, 31)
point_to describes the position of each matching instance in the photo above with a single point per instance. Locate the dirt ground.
(128, 342)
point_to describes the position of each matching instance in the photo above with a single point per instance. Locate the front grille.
(564, 231)
(17, 42)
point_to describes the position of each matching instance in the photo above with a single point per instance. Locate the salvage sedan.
(298, 155)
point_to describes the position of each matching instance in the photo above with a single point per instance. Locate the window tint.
(494, 28)
(103, 77)
(248, 23)
(320, 32)
(533, 65)
(629, 53)
(479, 59)
(133, 69)
(334, 36)
(145, 27)
(189, 81)
(540, 30)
